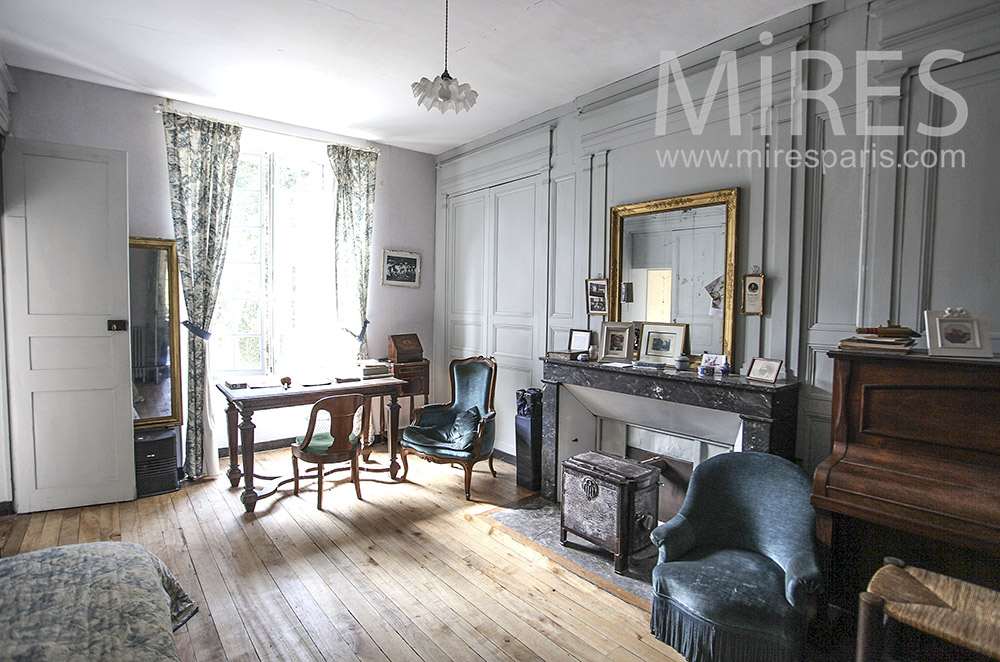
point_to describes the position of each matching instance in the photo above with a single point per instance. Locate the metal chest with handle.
(610, 501)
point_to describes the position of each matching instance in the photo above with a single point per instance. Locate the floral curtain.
(201, 165)
(354, 170)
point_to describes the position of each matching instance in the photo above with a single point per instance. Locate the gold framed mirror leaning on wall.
(154, 311)
(675, 261)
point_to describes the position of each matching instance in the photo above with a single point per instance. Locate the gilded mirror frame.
(728, 197)
(176, 416)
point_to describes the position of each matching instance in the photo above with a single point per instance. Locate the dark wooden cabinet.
(416, 374)
(914, 468)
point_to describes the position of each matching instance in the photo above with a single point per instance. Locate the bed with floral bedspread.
(103, 601)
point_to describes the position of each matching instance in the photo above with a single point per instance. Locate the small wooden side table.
(958, 612)
(417, 375)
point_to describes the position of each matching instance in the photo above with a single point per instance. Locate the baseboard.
(259, 446)
(505, 457)
(6, 508)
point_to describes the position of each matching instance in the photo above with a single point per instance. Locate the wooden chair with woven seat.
(955, 611)
(348, 426)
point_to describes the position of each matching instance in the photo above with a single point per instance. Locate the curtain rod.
(166, 108)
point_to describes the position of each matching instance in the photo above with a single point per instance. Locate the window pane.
(241, 281)
(223, 353)
(244, 244)
(245, 208)
(250, 357)
(248, 172)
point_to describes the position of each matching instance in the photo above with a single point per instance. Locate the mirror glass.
(155, 333)
(674, 260)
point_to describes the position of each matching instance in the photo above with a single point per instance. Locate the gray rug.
(538, 520)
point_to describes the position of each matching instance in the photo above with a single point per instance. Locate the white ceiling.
(346, 66)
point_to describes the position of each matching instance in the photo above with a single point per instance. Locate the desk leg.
(393, 434)
(249, 496)
(232, 425)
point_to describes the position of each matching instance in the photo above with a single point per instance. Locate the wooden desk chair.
(958, 612)
(348, 425)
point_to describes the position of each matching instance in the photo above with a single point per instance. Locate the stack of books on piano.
(872, 343)
(372, 369)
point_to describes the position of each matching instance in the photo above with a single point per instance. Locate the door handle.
(117, 325)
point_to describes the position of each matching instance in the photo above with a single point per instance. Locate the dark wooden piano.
(914, 469)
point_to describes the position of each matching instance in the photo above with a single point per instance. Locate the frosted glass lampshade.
(444, 93)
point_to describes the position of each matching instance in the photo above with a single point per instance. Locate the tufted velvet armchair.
(460, 432)
(737, 575)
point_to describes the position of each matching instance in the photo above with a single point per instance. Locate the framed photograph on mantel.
(661, 343)
(617, 340)
(597, 296)
(400, 268)
(764, 370)
(579, 340)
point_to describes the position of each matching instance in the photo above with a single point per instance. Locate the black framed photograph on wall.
(597, 296)
(400, 268)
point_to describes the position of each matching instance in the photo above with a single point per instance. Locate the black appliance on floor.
(528, 438)
(156, 462)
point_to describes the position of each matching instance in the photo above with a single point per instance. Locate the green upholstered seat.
(348, 423)
(322, 441)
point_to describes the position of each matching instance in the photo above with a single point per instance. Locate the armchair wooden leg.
(406, 466)
(468, 480)
(354, 476)
(871, 631)
(319, 486)
(295, 473)
(492, 470)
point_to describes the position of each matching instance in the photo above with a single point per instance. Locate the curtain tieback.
(196, 330)
(359, 336)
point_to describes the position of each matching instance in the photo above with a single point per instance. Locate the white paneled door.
(496, 287)
(65, 261)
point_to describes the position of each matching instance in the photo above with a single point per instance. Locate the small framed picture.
(753, 294)
(957, 332)
(616, 342)
(597, 296)
(400, 268)
(661, 342)
(579, 340)
(715, 361)
(764, 370)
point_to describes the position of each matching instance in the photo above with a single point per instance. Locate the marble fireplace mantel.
(768, 411)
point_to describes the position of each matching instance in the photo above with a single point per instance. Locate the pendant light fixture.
(444, 92)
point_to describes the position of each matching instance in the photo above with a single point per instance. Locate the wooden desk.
(417, 375)
(245, 401)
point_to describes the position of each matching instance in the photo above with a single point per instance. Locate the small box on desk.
(405, 348)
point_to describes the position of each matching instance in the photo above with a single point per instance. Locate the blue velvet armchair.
(460, 432)
(737, 574)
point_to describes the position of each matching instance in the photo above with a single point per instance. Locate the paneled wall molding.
(635, 119)
(917, 28)
(841, 246)
(792, 25)
(516, 157)
(6, 88)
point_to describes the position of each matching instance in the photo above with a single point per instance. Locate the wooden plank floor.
(413, 572)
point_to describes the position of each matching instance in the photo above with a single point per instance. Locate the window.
(276, 311)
